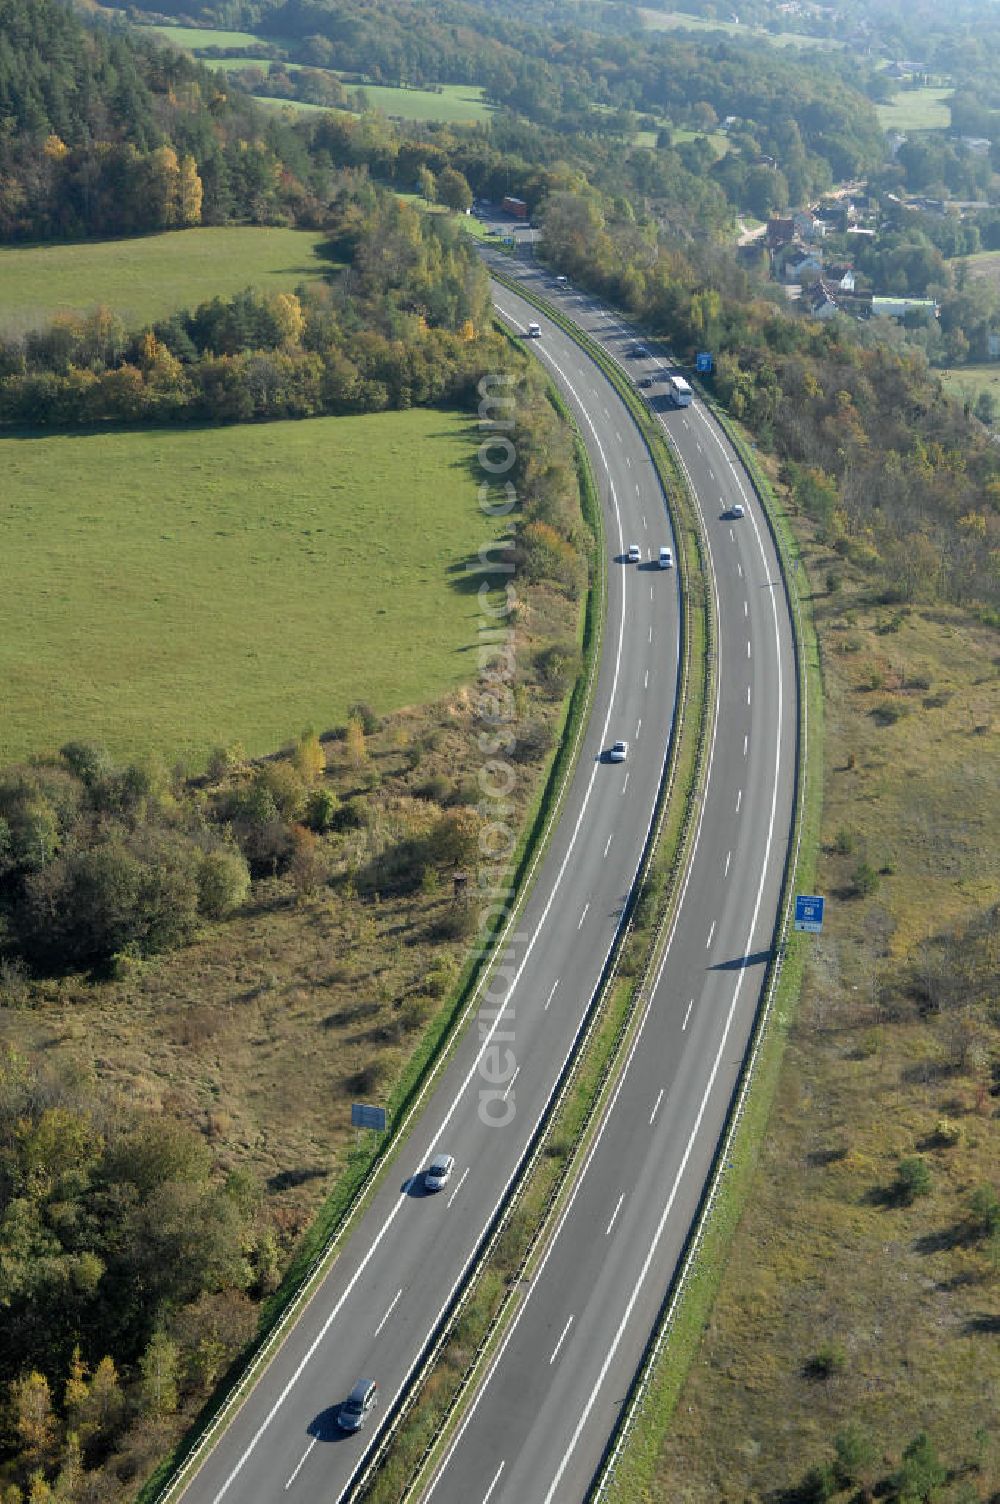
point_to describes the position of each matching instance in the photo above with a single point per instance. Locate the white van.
(534, 331)
(666, 559)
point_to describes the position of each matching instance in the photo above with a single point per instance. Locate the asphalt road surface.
(543, 1418)
(374, 1313)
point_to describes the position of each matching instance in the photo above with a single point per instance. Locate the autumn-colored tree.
(289, 317)
(453, 190)
(189, 192)
(307, 868)
(309, 758)
(100, 1413)
(158, 1366)
(354, 744)
(33, 1420)
(77, 1389)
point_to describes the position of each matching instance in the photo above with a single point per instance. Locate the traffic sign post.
(363, 1116)
(704, 362)
(809, 913)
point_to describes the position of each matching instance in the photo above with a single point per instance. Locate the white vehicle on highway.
(679, 391)
(618, 752)
(634, 553)
(666, 559)
(736, 510)
(438, 1172)
(534, 331)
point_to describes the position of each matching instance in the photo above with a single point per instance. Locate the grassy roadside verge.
(493, 1296)
(371, 1159)
(672, 1351)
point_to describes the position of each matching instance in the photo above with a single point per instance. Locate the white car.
(736, 510)
(666, 559)
(618, 752)
(438, 1172)
(634, 553)
(562, 281)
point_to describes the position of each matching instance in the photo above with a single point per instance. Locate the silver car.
(358, 1405)
(438, 1172)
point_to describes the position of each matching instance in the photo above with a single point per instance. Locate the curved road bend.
(543, 1417)
(373, 1314)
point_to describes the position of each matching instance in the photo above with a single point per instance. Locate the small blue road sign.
(703, 362)
(809, 913)
(367, 1117)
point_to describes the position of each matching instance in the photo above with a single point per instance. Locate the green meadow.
(916, 110)
(147, 277)
(178, 589)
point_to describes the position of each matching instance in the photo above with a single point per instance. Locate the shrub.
(532, 743)
(826, 1361)
(913, 1179)
(818, 1485)
(363, 712)
(845, 842)
(985, 1207)
(864, 880)
(321, 810)
(223, 882)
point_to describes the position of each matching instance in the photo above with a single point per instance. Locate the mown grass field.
(181, 589)
(966, 382)
(148, 277)
(675, 20)
(192, 38)
(455, 101)
(984, 265)
(916, 110)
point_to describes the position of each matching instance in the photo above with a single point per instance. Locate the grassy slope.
(194, 37)
(455, 102)
(966, 382)
(148, 277)
(181, 589)
(820, 1256)
(660, 20)
(916, 110)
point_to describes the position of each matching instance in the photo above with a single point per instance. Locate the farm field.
(983, 265)
(966, 382)
(916, 110)
(675, 20)
(148, 276)
(194, 37)
(455, 102)
(182, 589)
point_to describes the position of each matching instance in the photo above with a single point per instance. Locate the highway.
(374, 1313)
(541, 1421)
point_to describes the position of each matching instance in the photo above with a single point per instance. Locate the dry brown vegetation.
(848, 1300)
